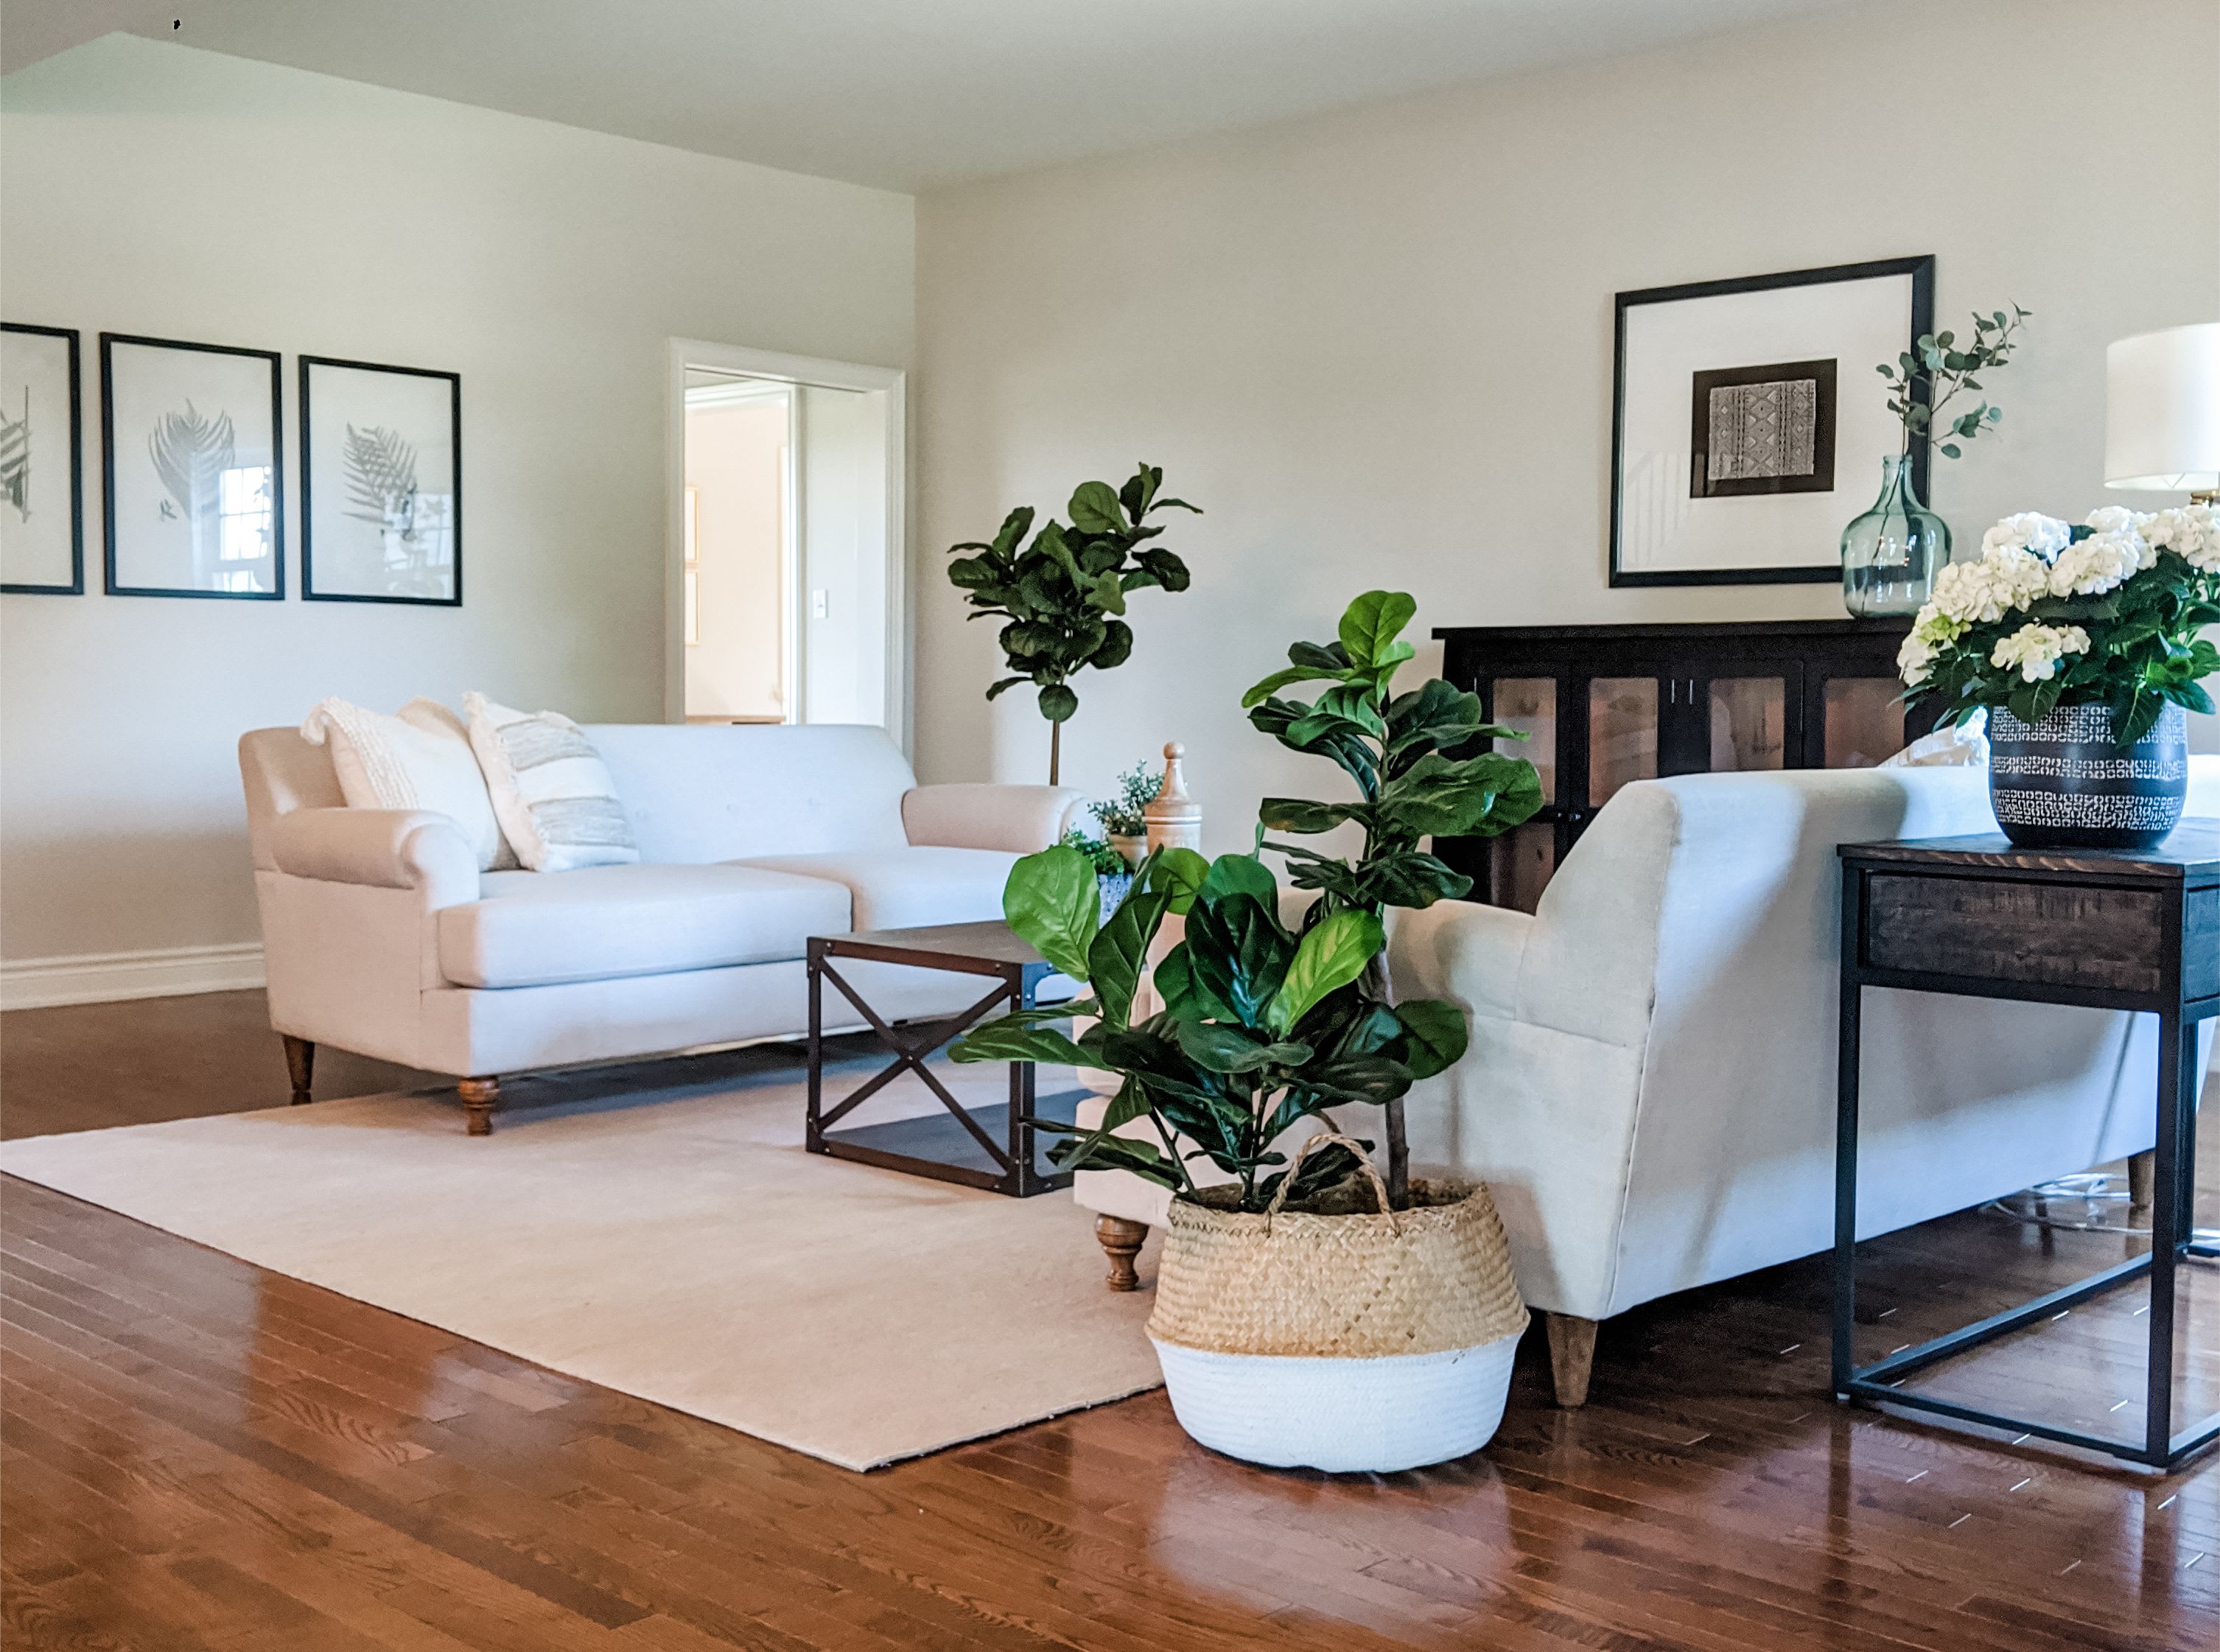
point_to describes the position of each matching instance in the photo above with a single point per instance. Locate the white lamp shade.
(2162, 410)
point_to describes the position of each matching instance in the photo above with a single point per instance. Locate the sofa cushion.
(533, 928)
(911, 886)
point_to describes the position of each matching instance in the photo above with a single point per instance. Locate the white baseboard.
(106, 977)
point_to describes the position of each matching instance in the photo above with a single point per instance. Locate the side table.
(2109, 929)
(995, 1148)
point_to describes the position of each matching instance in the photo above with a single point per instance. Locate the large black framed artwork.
(192, 436)
(381, 483)
(42, 461)
(1747, 423)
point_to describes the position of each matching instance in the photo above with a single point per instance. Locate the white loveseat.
(1650, 1091)
(381, 936)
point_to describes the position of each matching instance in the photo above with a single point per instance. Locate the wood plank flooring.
(197, 1456)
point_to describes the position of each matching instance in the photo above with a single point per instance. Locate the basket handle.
(1326, 1138)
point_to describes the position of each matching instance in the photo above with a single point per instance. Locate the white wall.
(150, 189)
(1376, 344)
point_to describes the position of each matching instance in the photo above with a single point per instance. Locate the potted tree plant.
(1063, 594)
(1306, 1313)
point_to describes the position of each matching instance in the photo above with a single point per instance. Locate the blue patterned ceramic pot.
(2064, 783)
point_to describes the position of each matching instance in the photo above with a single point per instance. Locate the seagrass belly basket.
(1347, 1338)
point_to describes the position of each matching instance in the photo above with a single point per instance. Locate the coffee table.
(996, 1147)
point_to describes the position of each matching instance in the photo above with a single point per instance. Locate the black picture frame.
(1921, 269)
(309, 591)
(108, 342)
(71, 337)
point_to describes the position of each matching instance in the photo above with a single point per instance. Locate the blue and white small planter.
(1115, 887)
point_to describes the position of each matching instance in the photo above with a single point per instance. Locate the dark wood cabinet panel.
(1605, 705)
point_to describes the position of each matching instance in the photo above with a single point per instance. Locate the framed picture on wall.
(190, 438)
(1748, 424)
(381, 483)
(42, 461)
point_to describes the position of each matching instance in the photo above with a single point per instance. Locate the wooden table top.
(2193, 850)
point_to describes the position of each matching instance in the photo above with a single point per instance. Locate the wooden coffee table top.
(985, 949)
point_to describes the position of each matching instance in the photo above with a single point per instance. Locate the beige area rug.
(659, 1231)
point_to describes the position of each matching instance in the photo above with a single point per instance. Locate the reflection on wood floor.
(200, 1455)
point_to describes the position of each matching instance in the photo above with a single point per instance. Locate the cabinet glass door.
(1529, 704)
(1863, 721)
(1748, 722)
(1623, 735)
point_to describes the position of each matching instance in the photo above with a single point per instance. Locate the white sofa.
(1650, 1091)
(381, 936)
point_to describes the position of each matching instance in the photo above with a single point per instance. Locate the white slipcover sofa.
(381, 936)
(1650, 1091)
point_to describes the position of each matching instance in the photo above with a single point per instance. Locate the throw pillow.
(1965, 746)
(551, 791)
(420, 759)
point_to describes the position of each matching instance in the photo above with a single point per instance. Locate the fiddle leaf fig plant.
(1261, 1024)
(1063, 594)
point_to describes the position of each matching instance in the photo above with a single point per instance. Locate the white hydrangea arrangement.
(2049, 615)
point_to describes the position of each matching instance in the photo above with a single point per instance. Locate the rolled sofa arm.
(1019, 820)
(386, 849)
(1461, 950)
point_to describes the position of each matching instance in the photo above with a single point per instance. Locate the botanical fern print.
(15, 458)
(381, 473)
(190, 454)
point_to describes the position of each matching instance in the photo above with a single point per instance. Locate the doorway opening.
(785, 561)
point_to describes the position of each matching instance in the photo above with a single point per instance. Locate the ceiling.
(903, 94)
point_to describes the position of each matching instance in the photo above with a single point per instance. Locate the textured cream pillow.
(551, 791)
(1963, 745)
(420, 759)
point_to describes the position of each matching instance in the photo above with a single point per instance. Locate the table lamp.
(2162, 412)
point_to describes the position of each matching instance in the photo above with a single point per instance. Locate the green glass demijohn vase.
(1892, 554)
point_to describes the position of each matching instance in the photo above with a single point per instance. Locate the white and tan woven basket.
(1358, 1339)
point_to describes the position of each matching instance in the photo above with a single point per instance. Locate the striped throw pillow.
(551, 790)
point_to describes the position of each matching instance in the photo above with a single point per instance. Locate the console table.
(1604, 704)
(2121, 929)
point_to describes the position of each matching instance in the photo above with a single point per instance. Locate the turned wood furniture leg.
(480, 1096)
(1572, 1355)
(1121, 1241)
(2143, 1183)
(300, 1063)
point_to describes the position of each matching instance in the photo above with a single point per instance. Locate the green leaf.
(1054, 904)
(1107, 593)
(1353, 703)
(1217, 1049)
(1301, 814)
(999, 1040)
(1372, 623)
(1331, 955)
(1057, 702)
(1094, 508)
(1286, 675)
(1241, 874)
(1177, 873)
(1434, 1035)
(1117, 956)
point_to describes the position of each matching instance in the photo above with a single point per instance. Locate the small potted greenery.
(1309, 1310)
(1114, 873)
(2082, 645)
(1120, 814)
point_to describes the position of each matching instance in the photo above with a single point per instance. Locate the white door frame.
(681, 353)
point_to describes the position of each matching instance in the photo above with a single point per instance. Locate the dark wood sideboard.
(1604, 704)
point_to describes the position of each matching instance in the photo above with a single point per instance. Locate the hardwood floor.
(197, 1455)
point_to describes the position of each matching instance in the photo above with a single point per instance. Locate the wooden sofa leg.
(480, 1097)
(300, 1063)
(2143, 1183)
(1121, 1241)
(1572, 1355)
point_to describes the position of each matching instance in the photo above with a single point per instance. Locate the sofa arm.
(1461, 950)
(1016, 819)
(386, 849)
